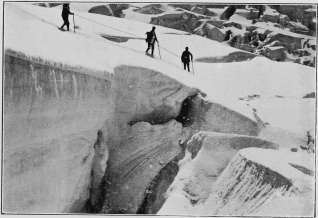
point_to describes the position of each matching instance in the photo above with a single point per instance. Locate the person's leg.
(63, 23)
(152, 48)
(188, 66)
(67, 25)
(148, 47)
(65, 20)
(184, 64)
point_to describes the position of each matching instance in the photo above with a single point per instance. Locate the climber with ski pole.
(151, 39)
(185, 58)
(65, 13)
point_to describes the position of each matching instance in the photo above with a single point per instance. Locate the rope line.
(124, 32)
(168, 51)
(107, 26)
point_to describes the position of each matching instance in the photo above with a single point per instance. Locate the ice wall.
(256, 181)
(253, 183)
(51, 118)
(244, 186)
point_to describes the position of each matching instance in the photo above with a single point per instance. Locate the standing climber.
(185, 58)
(65, 13)
(151, 38)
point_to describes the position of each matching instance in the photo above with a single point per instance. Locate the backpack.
(149, 36)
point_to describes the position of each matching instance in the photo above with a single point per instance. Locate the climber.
(310, 143)
(185, 58)
(309, 138)
(151, 38)
(65, 13)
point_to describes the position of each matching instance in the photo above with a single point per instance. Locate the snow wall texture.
(63, 126)
(228, 174)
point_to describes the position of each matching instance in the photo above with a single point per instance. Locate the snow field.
(33, 32)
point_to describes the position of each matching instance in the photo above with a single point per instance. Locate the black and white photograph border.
(174, 109)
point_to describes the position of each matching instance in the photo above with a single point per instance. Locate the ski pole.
(192, 67)
(159, 50)
(74, 23)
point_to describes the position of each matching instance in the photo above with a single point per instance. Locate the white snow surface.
(33, 31)
(280, 161)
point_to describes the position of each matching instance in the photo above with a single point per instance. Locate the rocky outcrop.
(183, 6)
(179, 19)
(270, 15)
(276, 53)
(297, 28)
(227, 14)
(150, 9)
(215, 33)
(47, 5)
(114, 10)
(294, 42)
(310, 95)
(305, 14)
(237, 40)
(203, 10)
(206, 28)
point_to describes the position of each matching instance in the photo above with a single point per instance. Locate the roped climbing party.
(150, 39)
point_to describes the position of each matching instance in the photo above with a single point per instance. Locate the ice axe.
(74, 23)
(192, 66)
(159, 50)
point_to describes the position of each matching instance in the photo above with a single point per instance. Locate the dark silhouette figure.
(65, 13)
(151, 39)
(185, 58)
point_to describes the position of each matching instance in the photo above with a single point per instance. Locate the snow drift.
(211, 182)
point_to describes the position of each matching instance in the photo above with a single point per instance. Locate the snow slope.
(31, 33)
(295, 84)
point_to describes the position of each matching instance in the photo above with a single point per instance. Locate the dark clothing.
(185, 64)
(151, 39)
(151, 46)
(185, 58)
(65, 13)
(66, 22)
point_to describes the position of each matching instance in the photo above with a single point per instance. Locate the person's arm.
(156, 38)
(191, 56)
(182, 57)
(70, 11)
